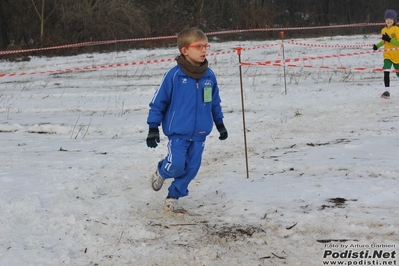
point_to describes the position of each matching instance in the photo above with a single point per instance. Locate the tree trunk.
(4, 40)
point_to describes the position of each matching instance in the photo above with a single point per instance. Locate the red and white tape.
(330, 45)
(94, 43)
(278, 62)
(309, 58)
(88, 68)
(322, 67)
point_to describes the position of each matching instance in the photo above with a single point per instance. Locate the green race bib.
(207, 94)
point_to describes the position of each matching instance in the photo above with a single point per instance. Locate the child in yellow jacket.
(390, 41)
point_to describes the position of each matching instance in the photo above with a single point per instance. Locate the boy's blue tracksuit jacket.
(187, 108)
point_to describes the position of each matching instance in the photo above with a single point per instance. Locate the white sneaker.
(156, 181)
(172, 205)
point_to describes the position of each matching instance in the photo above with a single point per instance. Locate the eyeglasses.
(200, 46)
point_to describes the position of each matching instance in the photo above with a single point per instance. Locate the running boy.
(186, 104)
(390, 41)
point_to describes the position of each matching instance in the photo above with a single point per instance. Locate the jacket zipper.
(196, 104)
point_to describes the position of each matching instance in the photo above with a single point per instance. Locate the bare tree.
(4, 39)
(71, 21)
(41, 14)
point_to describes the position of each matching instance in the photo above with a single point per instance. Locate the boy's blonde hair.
(188, 36)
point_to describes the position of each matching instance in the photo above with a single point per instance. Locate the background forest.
(41, 23)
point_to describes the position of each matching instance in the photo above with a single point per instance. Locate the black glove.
(153, 138)
(375, 47)
(386, 38)
(222, 131)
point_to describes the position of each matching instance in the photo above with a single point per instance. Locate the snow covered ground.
(323, 162)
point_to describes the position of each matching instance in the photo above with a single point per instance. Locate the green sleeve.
(381, 43)
(394, 42)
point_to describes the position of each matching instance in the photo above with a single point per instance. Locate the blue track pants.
(182, 164)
